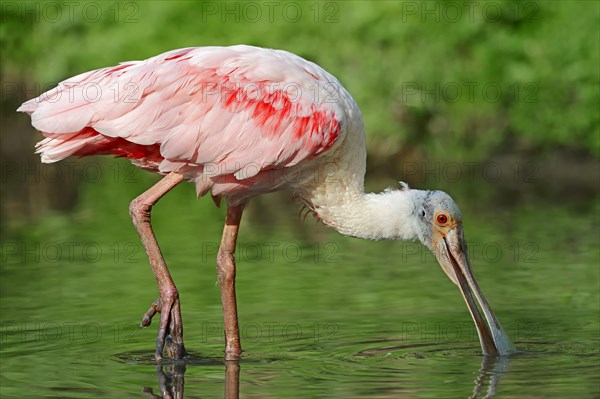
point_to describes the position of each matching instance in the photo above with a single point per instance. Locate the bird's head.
(439, 227)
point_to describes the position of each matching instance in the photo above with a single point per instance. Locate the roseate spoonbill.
(237, 122)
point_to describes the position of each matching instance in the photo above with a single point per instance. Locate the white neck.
(387, 215)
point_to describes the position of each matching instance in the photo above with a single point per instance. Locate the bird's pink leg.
(226, 273)
(168, 303)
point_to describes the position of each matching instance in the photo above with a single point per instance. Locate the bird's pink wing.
(238, 110)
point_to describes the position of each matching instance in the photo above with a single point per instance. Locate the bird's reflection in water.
(486, 383)
(232, 379)
(492, 368)
(171, 380)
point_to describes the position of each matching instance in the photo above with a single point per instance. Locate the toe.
(147, 319)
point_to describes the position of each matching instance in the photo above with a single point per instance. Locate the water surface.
(321, 315)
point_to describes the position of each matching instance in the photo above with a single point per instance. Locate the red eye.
(442, 219)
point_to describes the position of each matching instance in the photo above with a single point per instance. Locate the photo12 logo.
(270, 11)
(55, 12)
(470, 11)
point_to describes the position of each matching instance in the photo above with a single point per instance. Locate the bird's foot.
(170, 330)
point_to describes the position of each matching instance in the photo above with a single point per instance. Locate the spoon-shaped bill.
(450, 251)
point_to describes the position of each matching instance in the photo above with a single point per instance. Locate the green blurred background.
(437, 82)
(496, 102)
